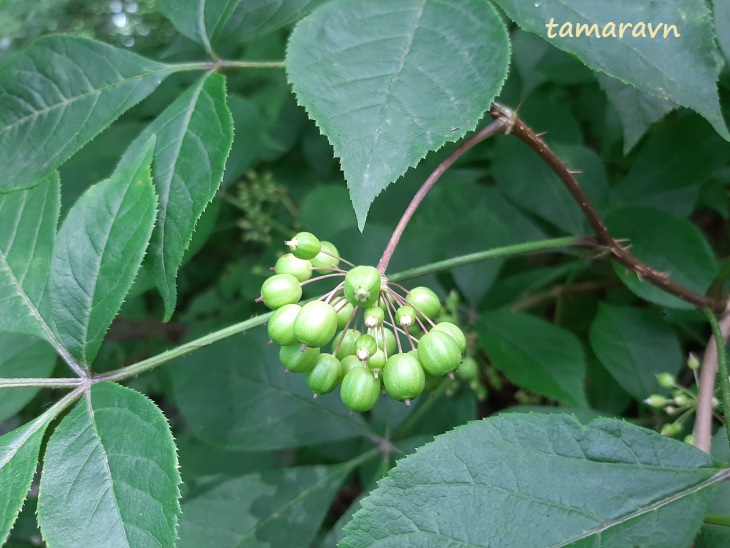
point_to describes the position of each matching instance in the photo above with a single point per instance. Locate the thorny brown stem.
(603, 236)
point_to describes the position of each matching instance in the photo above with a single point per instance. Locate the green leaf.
(194, 137)
(531, 185)
(18, 463)
(57, 95)
(110, 474)
(98, 252)
(511, 480)
(634, 346)
(681, 69)
(257, 406)
(26, 244)
(686, 256)
(402, 79)
(636, 109)
(271, 508)
(722, 22)
(535, 355)
(672, 182)
(251, 20)
(199, 20)
(22, 356)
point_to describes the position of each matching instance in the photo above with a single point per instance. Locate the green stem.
(207, 340)
(714, 519)
(156, 361)
(497, 253)
(40, 383)
(217, 65)
(722, 367)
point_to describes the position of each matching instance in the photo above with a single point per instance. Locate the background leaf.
(18, 463)
(683, 70)
(686, 256)
(535, 355)
(636, 109)
(270, 508)
(257, 406)
(194, 137)
(251, 20)
(98, 252)
(199, 20)
(672, 183)
(634, 346)
(22, 356)
(513, 477)
(26, 242)
(57, 95)
(110, 474)
(382, 64)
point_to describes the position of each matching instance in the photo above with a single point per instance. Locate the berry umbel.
(375, 330)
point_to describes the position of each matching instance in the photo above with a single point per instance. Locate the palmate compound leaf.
(57, 95)
(682, 69)
(537, 480)
(387, 81)
(194, 136)
(27, 231)
(110, 475)
(98, 252)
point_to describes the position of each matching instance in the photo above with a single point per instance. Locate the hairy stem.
(491, 129)
(722, 367)
(40, 383)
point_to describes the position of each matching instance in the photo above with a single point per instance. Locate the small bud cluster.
(381, 335)
(680, 404)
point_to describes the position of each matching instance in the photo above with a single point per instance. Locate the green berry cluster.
(381, 336)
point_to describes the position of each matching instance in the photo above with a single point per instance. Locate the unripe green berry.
(403, 377)
(344, 313)
(297, 360)
(656, 401)
(365, 346)
(468, 370)
(325, 375)
(281, 325)
(304, 245)
(666, 380)
(376, 362)
(360, 391)
(385, 339)
(347, 346)
(386, 301)
(373, 316)
(350, 362)
(432, 382)
(454, 332)
(316, 324)
(692, 362)
(424, 301)
(405, 316)
(299, 268)
(326, 259)
(281, 289)
(671, 429)
(362, 285)
(438, 353)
